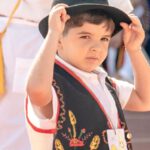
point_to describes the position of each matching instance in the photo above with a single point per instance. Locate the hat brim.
(116, 14)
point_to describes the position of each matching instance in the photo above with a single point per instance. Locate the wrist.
(134, 50)
(53, 33)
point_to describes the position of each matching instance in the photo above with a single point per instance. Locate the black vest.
(82, 123)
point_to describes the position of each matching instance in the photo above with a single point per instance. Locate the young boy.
(70, 98)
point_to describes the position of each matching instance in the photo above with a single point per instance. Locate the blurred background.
(118, 65)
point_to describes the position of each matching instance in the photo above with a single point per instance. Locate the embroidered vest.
(82, 121)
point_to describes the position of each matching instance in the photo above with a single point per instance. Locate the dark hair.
(92, 16)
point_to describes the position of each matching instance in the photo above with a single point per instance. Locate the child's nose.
(96, 47)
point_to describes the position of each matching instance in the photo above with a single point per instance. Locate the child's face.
(85, 47)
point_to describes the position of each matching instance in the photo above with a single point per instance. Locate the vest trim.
(89, 90)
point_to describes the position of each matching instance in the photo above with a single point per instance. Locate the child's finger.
(125, 26)
(135, 20)
(134, 27)
(65, 17)
(59, 8)
(60, 5)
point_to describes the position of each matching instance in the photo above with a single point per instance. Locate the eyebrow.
(84, 32)
(88, 33)
(109, 36)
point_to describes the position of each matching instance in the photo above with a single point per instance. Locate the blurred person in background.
(19, 42)
(118, 63)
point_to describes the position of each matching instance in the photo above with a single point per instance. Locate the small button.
(129, 136)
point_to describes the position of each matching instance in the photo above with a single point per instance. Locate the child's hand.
(133, 35)
(57, 18)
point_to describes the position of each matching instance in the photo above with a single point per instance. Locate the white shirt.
(95, 81)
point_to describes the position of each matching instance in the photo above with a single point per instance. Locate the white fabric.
(96, 82)
(36, 9)
(123, 91)
(20, 44)
(39, 140)
(33, 10)
(41, 123)
(116, 139)
(126, 5)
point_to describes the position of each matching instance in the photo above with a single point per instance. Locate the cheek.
(105, 45)
(105, 48)
(105, 53)
(84, 43)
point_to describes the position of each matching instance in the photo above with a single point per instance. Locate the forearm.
(41, 73)
(141, 70)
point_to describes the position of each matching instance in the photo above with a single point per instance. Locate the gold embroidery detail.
(58, 145)
(73, 122)
(62, 106)
(95, 143)
(74, 140)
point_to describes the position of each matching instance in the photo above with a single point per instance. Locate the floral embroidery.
(95, 143)
(74, 140)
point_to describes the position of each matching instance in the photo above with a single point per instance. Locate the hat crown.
(80, 2)
(81, 6)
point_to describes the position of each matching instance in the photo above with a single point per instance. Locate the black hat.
(79, 6)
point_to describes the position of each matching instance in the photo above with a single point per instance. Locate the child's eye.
(105, 39)
(85, 37)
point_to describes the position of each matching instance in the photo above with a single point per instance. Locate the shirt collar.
(98, 72)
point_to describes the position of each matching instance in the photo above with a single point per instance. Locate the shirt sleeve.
(40, 129)
(37, 121)
(124, 90)
(39, 140)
